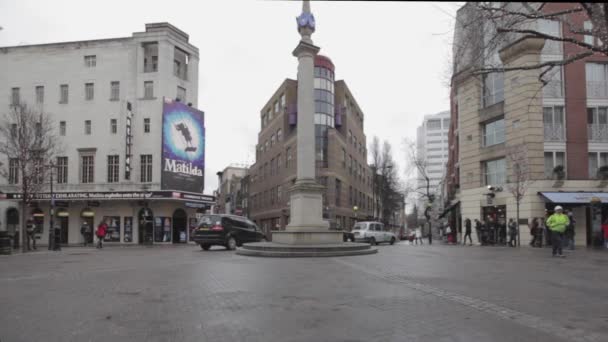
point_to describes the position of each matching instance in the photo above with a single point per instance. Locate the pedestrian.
(467, 232)
(101, 233)
(30, 231)
(557, 224)
(534, 231)
(448, 233)
(85, 230)
(418, 235)
(512, 233)
(569, 234)
(478, 230)
(605, 229)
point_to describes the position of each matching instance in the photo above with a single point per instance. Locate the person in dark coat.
(30, 231)
(478, 230)
(512, 233)
(467, 232)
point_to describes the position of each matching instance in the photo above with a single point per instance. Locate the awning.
(574, 197)
(448, 209)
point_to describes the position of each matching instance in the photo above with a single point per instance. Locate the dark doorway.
(12, 225)
(145, 229)
(63, 224)
(180, 225)
(89, 222)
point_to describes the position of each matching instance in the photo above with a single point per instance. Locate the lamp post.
(52, 244)
(356, 209)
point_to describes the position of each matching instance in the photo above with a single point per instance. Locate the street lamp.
(52, 244)
(356, 209)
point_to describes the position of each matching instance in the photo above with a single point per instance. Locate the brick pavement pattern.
(403, 293)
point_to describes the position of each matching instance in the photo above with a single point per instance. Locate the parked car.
(229, 231)
(373, 233)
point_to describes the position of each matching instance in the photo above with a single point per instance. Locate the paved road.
(403, 293)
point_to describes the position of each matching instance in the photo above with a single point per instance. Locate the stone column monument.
(307, 234)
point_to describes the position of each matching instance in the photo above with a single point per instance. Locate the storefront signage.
(118, 195)
(128, 142)
(183, 147)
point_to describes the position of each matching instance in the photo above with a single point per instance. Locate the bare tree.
(416, 162)
(374, 149)
(521, 179)
(27, 143)
(484, 28)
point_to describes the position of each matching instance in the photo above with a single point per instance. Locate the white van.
(373, 232)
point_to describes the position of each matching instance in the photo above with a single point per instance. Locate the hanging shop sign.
(62, 213)
(86, 212)
(183, 147)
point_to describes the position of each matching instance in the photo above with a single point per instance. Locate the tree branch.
(535, 66)
(540, 15)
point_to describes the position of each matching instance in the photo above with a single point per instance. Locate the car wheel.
(372, 241)
(205, 247)
(231, 243)
(392, 241)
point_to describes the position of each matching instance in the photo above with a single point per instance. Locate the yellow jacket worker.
(557, 223)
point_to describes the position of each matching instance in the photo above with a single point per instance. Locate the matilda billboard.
(183, 150)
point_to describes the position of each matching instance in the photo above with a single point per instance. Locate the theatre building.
(132, 141)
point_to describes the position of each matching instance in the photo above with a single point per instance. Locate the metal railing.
(554, 132)
(597, 132)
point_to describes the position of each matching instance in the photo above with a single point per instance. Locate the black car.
(348, 236)
(226, 230)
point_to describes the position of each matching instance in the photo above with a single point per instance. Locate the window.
(113, 169)
(350, 164)
(148, 89)
(554, 88)
(553, 122)
(272, 163)
(13, 171)
(113, 126)
(279, 163)
(146, 125)
(146, 168)
(150, 57)
(350, 136)
(62, 170)
(597, 124)
(446, 124)
(433, 125)
(282, 99)
(39, 94)
(15, 96)
(597, 160)
(350, 195)
(62, 128)
(493, 88)
(266, 146)
(90, 61)
(181, 94)
(591, 39)
(338, 192)
(494, 171)
(63, 93)
(552, 28)
(343, 157)
(279, 135)
(89, 91)
(272, 140)
(596, 75)
(269, 115)
(288, 158)
(180, 63)
(552, 160)
(114, 90)
(87, 127)
(494, 133)
(279, 193)
(87, 167)
(263, 120)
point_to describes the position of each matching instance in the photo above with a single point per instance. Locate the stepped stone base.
(307, 237)
(280, 250)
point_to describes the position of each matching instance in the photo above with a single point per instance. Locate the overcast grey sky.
(392, 55)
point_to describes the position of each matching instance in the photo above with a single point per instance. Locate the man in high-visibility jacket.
(557, 223)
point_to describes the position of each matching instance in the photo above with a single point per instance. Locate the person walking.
(101, 233)
(418, 236)
(30, 231)
(557, 224)
(569, 234)
(512, 233)
(85, 230)
(534, 231)
(478, 230)
(467, 232)
(448, 234)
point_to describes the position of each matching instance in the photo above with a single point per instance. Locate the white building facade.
(91, 89)
(432, 149)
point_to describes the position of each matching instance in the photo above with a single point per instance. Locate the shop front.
(153, 217)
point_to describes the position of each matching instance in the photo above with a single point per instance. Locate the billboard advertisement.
(183, 148)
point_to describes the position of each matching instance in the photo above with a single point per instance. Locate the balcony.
(554, 132)
(597, 132)
(597, 90)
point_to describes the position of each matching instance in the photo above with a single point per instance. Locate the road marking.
(524, 319)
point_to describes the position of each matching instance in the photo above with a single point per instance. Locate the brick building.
(562, 127)
(340, 150)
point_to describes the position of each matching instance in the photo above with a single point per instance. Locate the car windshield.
(209, 220)
(359, 226)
